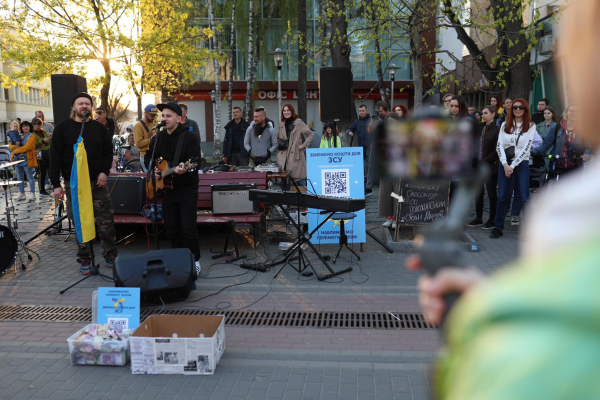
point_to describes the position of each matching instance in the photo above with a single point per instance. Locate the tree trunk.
(217, 72)
(232, 62)
(249, 72)
(415, 46)
(378, 57)
(106, 85)
(302, 61)
(339, 49)
(519, 76)
(139, 106)
(261, 29)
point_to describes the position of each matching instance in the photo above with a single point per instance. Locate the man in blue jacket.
(233, 146)
(359, 131)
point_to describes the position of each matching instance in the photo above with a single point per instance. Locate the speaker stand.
(223, 252)
(94, 269)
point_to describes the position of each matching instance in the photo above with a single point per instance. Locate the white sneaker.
(387, 223)
(20, 196)
(49, 187)
(394, 225)
(198, 268)
(30, 196)
(514, 221)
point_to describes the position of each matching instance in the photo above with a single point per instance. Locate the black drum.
(8, 249)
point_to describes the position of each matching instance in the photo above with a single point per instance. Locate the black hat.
(82, 94)
(171, 106)
(330, 125)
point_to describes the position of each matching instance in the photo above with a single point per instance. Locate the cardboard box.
(178, 344)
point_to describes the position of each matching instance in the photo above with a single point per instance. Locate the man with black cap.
(98, 145)
(177, 144)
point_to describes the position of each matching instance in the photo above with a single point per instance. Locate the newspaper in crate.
(119, 306)
(186, 356)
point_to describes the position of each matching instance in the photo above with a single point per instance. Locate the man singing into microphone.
(98, 144)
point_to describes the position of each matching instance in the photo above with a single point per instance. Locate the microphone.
(159, 125)
(86, 115)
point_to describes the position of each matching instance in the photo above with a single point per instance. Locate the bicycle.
(552, 174)
(125, 165)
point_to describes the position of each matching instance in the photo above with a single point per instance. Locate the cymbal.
(10, 183)
(8, 164)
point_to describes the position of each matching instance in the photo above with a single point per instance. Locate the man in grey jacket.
(260, 139)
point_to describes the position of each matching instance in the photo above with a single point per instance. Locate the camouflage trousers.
(105, 222)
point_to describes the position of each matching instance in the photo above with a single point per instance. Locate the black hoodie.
(98, 146)
(166, 146)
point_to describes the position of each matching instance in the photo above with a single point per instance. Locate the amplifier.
(232, 198)
(127, 193)
(268, 168)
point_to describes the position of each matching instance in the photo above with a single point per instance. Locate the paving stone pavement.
(259, 363)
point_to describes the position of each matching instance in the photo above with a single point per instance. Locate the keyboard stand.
(303, 261)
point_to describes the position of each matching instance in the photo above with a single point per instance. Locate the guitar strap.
(178, 149)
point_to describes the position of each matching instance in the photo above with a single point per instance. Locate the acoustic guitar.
(165, 182)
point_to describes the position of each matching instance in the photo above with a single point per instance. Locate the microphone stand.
(152, 176)
(94, 268)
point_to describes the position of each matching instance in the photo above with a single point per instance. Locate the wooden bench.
(205, 215)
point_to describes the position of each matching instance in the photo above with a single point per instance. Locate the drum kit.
(10, 241)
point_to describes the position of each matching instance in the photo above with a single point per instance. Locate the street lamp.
(393, 69)
(213, 97)
(278, 56)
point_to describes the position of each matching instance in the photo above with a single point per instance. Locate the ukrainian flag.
(81, 195)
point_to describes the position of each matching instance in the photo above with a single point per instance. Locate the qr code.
(124, 322)
(336, 182)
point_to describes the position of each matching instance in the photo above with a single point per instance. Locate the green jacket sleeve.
(531, 332)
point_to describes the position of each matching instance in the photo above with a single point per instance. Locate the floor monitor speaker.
(335, 92)
(162, 275)
(64, 88)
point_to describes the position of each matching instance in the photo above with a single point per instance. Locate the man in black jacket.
(181, 203)
(487, 154)
(538, 116)
(233, 146)
(98, 145)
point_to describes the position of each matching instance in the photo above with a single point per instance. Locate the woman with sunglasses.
(514, 147)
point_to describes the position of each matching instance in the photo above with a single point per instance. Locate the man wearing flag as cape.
(84, 161)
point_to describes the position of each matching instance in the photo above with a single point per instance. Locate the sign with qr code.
(336, 172)
(119, 306)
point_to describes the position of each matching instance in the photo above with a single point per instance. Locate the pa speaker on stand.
(64, 88)
(335, 92)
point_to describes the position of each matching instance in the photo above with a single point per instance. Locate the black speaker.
(167, 275)
(64, 87)
(335, 92)
(127, 193)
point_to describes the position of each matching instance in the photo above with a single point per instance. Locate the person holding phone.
(530, 331)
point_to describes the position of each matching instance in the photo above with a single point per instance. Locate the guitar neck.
(167, 172)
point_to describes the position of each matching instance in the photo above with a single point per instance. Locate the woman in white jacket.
(514, 146)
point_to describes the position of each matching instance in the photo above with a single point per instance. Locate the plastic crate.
(106, 352)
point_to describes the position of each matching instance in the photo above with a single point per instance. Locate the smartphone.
(426, 147)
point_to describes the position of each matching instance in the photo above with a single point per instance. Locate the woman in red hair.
(401, 110)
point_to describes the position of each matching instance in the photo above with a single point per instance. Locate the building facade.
(17, 103)
(366, 91)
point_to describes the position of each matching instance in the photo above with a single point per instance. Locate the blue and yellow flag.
(81, 195)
